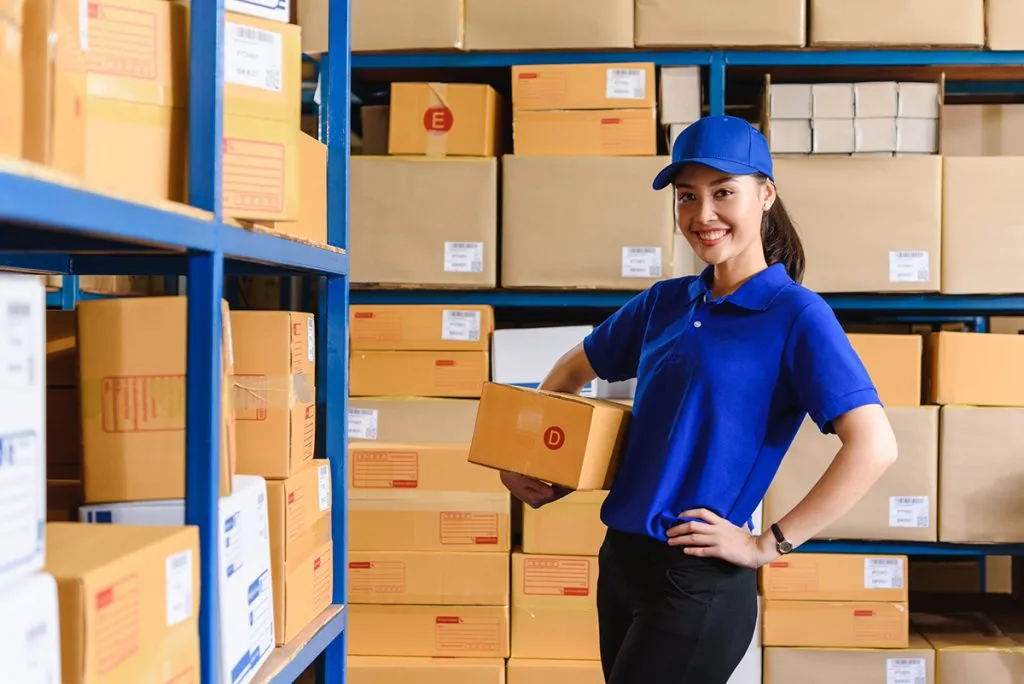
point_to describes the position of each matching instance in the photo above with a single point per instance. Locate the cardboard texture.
(922, 23)
(406, 670)
(916, 663)
(421, 327)
(30, 631)
(581, 132)
(308, 588)
(530, 671)
(894, 364)
(563, 439)
(12, 80)
(1004, 20)
(570, 526)
(835, 624)
(405, 419)
(422, 466)
(132, 359)
(129, 601)
(444, 119)
(428, 578)
(681, 95)
(903, 504)
(539, 25)
(311, 223)
(584, 86)
(386, 25)
(429, 631)
(262, 69)
(261, 169)
(974, 369)
(970, 649)
(867, 224)
(692, 23)
(554, 607)
(835, 577)
(962, 577)
(453, 374)
(274, 391)
(620, 232)
(988, 130)
(457, 247)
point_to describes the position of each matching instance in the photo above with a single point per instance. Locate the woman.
(728, 364)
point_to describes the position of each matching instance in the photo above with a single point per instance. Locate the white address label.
(641, 262)
(179, 587)
(883, 573)
(324, 487)
(253, 57)
(908, 267)
(311, 340)
(464, 257)
(905, 671)
(460, 325)
(362, 423)
(19, 342)
(909, 511)
(626, 84)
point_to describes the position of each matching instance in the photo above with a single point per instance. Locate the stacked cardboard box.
(693, 23)
(904, 23)
(681, 99)
(973, 647)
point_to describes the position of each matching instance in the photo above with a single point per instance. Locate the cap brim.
(668, 174)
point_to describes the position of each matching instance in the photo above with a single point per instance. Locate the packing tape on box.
(437, 141)
(272, 391)
(416, 500)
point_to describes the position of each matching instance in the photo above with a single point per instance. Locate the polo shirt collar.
(756, 294)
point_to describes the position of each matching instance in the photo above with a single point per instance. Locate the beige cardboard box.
(564, 439)
(868, 224)
(412, 419)
(61, 349)
(539, 25)
(586, 133)
(529, 671)
(299, 511)
(308, 589)
(311, 223)
(444, 119)
(974, 369)
(835, 577)
(412, 520)
(894, 364)
(968, 650)
(898, 22)
(619, 236)
(129, 601)
(685, 23)
(988, 130)
(458, 246)
(554, 607)
(406, 670)
(426, 467)
(274, 390)
(450, 327)
(12, 79)
(418, 373)
(962, 577)
(901, 506)
(584, 86)
(132, 362)
(1006, 325)
(980, 468)
(835, 624)
(428, 578)
(969, 264)
(570, 526)
(429, 631)
(261, 168)
(63, 433)
(916, 664)
(1004, 20)
(386, 25)
(262, 69)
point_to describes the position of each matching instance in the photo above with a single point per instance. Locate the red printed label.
(438, 119)
(250, 397)
(385, 470)
(554, 438)
(253, 175)
(144, 403)
(467, 635)
(377, 578)
(556, 577)
(468, 529)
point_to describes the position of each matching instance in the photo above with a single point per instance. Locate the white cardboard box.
(790, 136)
(833, 136)
(524, 356)
(832, 100)
(790, 101)
(30, 631)
(22, 426)
(680, 94)
(274, 10)
(246, 596)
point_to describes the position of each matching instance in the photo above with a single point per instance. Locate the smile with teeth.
(711, 235)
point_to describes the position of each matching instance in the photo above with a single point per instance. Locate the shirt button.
(697, 324)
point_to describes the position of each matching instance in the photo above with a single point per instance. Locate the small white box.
(875, 135)
(790, 101)
(919, 136)
(918, 101)
(832, 101)
(833, 136)
(30, 631)
(246, 595)
(790, 136)
(274, 10)
(875, 100)
(680, 94)
(22, 426)
(524, 356)
(615, 390)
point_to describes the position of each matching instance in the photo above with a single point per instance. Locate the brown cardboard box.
(308, 589)
(619, 233)
(685, 23)
(974, 369)
(969, 264)
(458, 246)
(418, 373)
(311, 223)
(539, 25)
(261, 162)
(428, 578)
(980, 470)
(962, 577)
(444, 119)
(583, 132)
(584, 86)
(1003, 22)
(901, 506)
(61, 349)
(12, 80)
(406, 670)
(554, 607)
(412, 419)
(894, 364)
(868, 224)
(898, 22)
(914, 664)
(376, 120)
(385, 25)
(835, 624)
(1006, 325)
(414, 520)
(427, 467)
(63, 433)
(982, 130)
(835, 577)
(129, 601)
(449, 327)
(299, 511)
(132, 361)
(570, 526)
(970, 650)
(429, 631)
(564, 439)
(528, 671)
(262, 69)
(274, 391)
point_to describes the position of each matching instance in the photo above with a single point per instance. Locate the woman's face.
(720, 215)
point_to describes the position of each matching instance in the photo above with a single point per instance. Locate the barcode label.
(909, 267)
(362, 423)
(626, 84)
(464, 257)
(462, 326)
(641, 262)
(311, 340)
(905, 671)
(253, 57)
(909, 511)
(21, 344)
(179, 587)
(324, 487)
(883, 573)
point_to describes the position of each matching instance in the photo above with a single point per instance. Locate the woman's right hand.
(531, 491)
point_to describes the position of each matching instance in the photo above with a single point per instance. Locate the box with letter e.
(563, 439)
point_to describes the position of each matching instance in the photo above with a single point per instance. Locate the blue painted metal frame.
(912, 548)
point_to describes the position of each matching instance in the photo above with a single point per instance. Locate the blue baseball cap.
(726, 143)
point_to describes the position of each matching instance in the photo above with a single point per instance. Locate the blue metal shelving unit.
(51, 227)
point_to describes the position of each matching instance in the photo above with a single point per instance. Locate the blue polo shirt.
(722, 388)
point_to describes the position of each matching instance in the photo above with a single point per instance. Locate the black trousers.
(669, 618)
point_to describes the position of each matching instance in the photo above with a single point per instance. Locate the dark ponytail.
(781, 242)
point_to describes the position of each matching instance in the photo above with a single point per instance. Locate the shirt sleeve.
(613, 347)
(827, 375)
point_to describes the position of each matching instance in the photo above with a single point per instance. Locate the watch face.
(785, 547)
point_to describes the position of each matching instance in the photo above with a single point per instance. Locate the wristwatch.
(781, 543)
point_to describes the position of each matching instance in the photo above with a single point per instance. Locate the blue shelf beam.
(317, 646)
(912, 548)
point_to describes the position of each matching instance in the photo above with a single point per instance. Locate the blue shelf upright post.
(716, 84)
